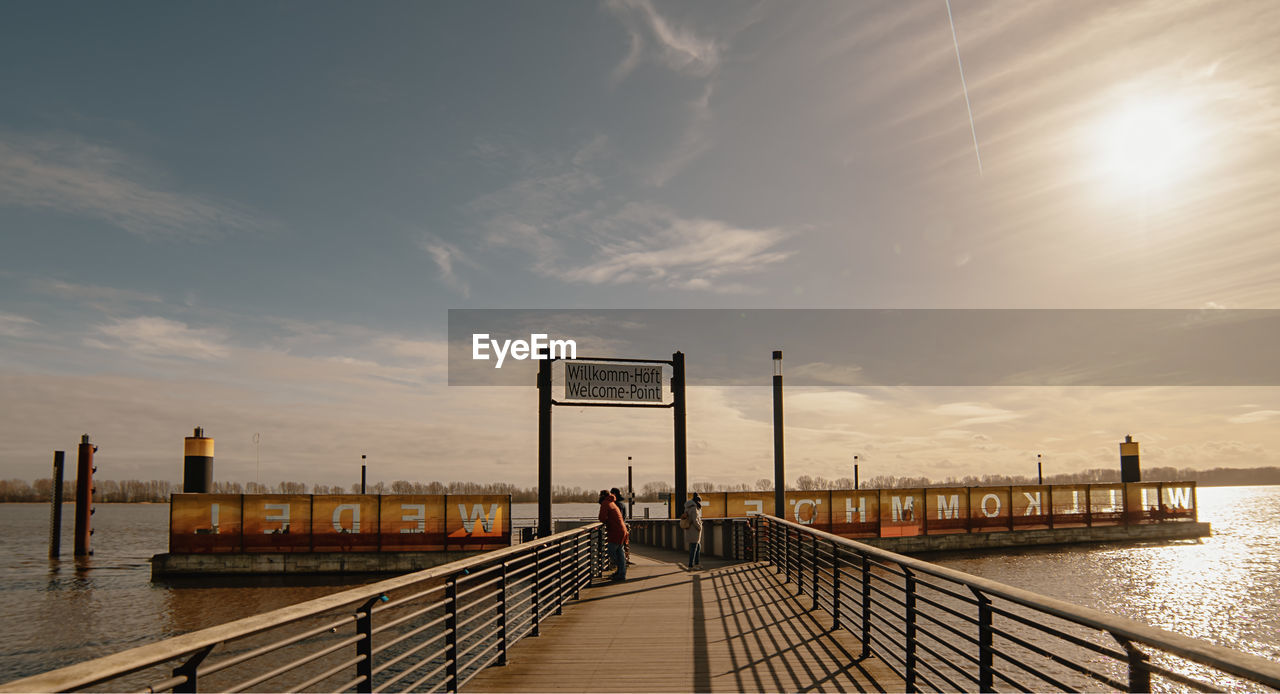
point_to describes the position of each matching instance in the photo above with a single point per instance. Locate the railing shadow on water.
(945, 630)
(432, 630)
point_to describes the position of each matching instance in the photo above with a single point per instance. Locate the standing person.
(693, 533)
(622, 508)
(616, 532)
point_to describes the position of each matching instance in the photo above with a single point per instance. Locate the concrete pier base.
(299, 563)
(717, 537)
(1153, 532)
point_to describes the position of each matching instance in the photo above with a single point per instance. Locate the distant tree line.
(158, 491)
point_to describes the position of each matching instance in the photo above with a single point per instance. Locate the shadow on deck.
(728, 627)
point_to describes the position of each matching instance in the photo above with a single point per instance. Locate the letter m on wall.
(948, 508)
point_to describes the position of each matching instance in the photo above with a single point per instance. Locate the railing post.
(559, 576)
(578, 568)
(786, 554)
(502, 617)
(986, 638)
(1139, 666)
(866, 604)
(910, 598)
(815, 573)
(364, 647)
(451, 634)
(188, 669)
(537, 591)
(755, 538)
(835, 585)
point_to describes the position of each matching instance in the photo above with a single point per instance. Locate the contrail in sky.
(964, 87)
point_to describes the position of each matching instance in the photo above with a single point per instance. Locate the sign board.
(595, 381)
(206, 523)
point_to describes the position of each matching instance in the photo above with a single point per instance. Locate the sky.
(255, 216)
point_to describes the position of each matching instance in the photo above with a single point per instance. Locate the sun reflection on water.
(1222, 589)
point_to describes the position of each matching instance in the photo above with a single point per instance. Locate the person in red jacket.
(617, 535)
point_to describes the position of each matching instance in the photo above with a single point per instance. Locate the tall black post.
(779, 474)
(855, 472)
(84, 496)
(544, 446)
(631, 492)
(1039, 471)
(677, 395)
(55, 513)
(363, 475)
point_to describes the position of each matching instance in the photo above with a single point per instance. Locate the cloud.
(92, 295)
(1254, 417)
(558, 214)
(447, 257)
(648, 244)
(974, 413)
(694, 142)
(67, 174)
(160, 337)
(677, 48)
(12, 325)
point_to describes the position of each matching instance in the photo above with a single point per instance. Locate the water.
(1223, 589)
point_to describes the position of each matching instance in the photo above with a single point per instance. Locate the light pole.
(631, 493)
(855, 472)
(362, 471)
(257, 458)
(779, 474)
(1039, 471)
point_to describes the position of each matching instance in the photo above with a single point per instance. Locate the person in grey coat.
(693, 534)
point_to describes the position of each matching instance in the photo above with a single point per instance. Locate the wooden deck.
(726, 628)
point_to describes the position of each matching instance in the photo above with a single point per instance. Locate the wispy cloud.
(1255, 417)
(694, 141)
(12, 325)
(153, 336)
(562, 215)
(101, 297)
(67, 174)
(974, 413)
(447, 258)
(654, 37)
(644, 243)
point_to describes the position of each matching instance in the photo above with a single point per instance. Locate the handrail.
(199, 643)
(803, 563)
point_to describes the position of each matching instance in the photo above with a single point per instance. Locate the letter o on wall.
(985, 512)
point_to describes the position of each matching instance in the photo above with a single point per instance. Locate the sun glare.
(1149, 143)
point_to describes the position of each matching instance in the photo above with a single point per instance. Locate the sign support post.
(678, 414)
(608, 386)
(544, 447)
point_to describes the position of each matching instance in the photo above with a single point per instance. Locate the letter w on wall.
(477, 513)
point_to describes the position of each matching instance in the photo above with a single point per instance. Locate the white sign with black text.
(612, 382)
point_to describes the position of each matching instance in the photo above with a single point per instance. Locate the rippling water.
(1224, 589)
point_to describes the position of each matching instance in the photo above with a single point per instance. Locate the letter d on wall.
(355, 518)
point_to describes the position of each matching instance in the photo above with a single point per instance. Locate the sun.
(1149, 143)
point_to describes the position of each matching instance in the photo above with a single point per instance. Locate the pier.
(781, 607)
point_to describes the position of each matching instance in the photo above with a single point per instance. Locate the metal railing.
(427, 631)
(946, 630)
(730, 538)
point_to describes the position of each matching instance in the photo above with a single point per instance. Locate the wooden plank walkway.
(726, 628)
